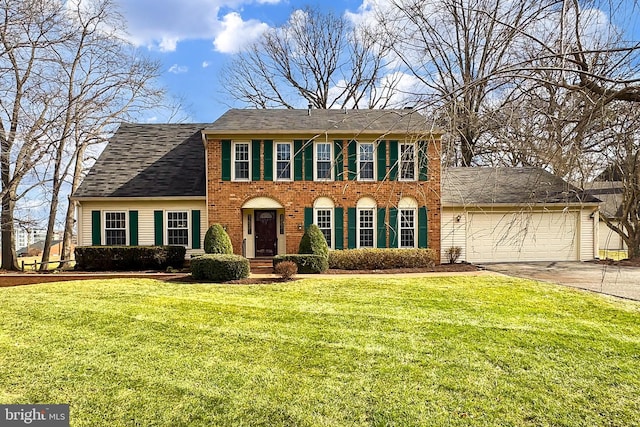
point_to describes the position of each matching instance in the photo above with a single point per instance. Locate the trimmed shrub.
(313, 242)
(220, 267)
(381, 259)
(130, 258)
(286, 269)
(217, 241)
(307, 263)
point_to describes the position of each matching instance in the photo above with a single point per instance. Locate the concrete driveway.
(606, 279)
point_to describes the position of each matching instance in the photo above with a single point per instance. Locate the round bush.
(217, 241)
(313, 242)
(219, 267)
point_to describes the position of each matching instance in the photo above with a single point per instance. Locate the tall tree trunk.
(67, 239)
(9, 258)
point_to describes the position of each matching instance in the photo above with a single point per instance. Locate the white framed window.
(115, 228)
(323, 217)
(241, 165)
(366, 161)
(366, 223)
(324, 221)
(282, 160)
(407, 226)
(178, 228)
(408, 164)
(323, 159)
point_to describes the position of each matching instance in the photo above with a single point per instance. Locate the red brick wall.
(225, 198)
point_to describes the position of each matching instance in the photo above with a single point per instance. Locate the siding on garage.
(504, 235)
(146, 223)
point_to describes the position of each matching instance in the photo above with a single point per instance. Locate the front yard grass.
(458, 351)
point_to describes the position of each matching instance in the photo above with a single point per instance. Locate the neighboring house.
(516, 214)
(610, 192)
(147, 187)
(367, 178)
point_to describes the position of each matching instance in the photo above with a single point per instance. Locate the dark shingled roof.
(289, 120)
(149, 160)
(481, 186)
(610, 192)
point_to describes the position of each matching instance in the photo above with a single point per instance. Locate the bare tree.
(25, 100)
(102, 81)
(316, 58)
(456, 49)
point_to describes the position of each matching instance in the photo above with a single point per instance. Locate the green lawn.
(458, 351)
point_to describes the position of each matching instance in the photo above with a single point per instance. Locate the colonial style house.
(367, 178)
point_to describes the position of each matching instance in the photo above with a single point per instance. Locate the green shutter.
(393, 161)
(393, 227)
(226, 160)
(268, 160)
(158, 227)
(351, 228)
(133, 228)
(338, 223)
(422, 227)
(423, 161)
(96, 229)
(382, 160)
(308, 217)
(338, 160)
(353, 172)
(297, 160)
(255, 160)
(382, 229)
(195, 229)
(308, 161)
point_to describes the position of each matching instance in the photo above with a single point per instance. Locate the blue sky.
(194, 38)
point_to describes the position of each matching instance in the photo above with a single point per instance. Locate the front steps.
(261, 265)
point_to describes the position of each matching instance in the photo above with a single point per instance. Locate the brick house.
(367, 178)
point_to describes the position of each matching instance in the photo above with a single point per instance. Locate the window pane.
(115, 228)
(283, 170)
(407, 161)
(366, 170)
(323, 152)
(241, 161)
(407, 228)
(366, 228)
(323, 221)
(178, 228)
(283, 161)
(324, 170)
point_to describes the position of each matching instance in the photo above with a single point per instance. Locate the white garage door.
(525, 236)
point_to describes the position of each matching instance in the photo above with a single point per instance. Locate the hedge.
(220, 267)
(381, 259)
(128, 258)
(307, 263)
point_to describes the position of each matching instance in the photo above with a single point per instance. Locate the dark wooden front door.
(265, 233)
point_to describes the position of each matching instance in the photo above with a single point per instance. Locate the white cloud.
(163, 24)
(205, 64)
(178, 69)
(236, 33)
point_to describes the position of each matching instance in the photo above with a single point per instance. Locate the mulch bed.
(8, 279)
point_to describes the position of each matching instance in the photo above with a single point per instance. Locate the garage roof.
(508, 186)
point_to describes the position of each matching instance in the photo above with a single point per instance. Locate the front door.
(265, 233)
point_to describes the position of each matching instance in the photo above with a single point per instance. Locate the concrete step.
(261, 265)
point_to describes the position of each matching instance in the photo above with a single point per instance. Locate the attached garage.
(516, 214)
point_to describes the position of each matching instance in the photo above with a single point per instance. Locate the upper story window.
(408, 164)
(283, 161)
(178, 228)
(115, 228)
(241, 161)
(323, 161)
(366, 161)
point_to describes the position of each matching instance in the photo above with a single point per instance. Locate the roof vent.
(309, 107)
